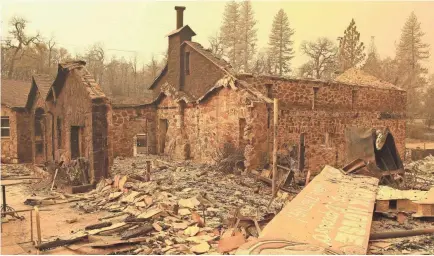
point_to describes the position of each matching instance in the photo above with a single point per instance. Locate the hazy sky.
(125, 27)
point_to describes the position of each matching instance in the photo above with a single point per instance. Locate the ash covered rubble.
(185, 208)
(420, 174)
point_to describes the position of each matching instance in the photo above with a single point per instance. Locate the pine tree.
(248, 35)
(351, 50)
(230, 34)
(372, 64)
(410, 52)
(429, 102)
(280, 44)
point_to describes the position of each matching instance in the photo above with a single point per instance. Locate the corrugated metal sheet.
(333, 212)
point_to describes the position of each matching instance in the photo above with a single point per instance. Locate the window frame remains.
(6, 128)
(187, 63)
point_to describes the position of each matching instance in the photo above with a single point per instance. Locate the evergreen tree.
(351, 50)
(372, 64)
(429, 102)
(248, 35)
(410, 53)
(230, 34)
(280, 44)
(389, 70)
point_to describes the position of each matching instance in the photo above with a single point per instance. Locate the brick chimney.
(175, 55)
(179, 16)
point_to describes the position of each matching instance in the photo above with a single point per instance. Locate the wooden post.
(148, 171)
(31, 227)
(38, 224)
(135, 145)
(276, 116)
(54, 179)
(307, 178)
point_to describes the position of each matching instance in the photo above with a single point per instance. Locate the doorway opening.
(163, 124)
(75, 142)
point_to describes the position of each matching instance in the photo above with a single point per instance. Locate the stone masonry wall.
(129, 121)
(9, 144)
(39, 158)
(336, 107)
(74, 108)
(203, 73)
(167, 109)
(24, 138)
(216, 121)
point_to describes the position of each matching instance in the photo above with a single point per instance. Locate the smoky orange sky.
(127, 28)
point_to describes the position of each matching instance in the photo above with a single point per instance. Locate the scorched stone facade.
(197, 104)
(15, 122)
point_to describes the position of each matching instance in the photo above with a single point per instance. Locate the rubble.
(420, 174)
(184, 209)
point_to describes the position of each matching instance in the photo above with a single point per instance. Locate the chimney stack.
(179, 16)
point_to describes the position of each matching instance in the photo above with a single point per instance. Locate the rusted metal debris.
(401, 233)
(334, 211)
(110, 243)
(142, 230)
(98, 225)
(62, 242)
(372, 152)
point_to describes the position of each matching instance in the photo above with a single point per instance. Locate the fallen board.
(334, 212)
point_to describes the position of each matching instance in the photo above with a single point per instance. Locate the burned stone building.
(198, 103)
(15, 122)
(71, 118)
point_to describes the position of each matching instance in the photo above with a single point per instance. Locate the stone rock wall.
(39, 158)
(24, 137)
(127, 122)
(9, 144)
(336, 107)
(74, 108)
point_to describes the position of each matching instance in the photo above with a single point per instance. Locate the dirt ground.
(53, 221)
(414, 143)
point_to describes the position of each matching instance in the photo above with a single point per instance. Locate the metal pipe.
(401, 233)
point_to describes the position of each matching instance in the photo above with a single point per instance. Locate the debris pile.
(14, 170)
(184, 209)
(420, 174)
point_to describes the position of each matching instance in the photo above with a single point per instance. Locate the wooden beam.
(276, 116)
(38, 224)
